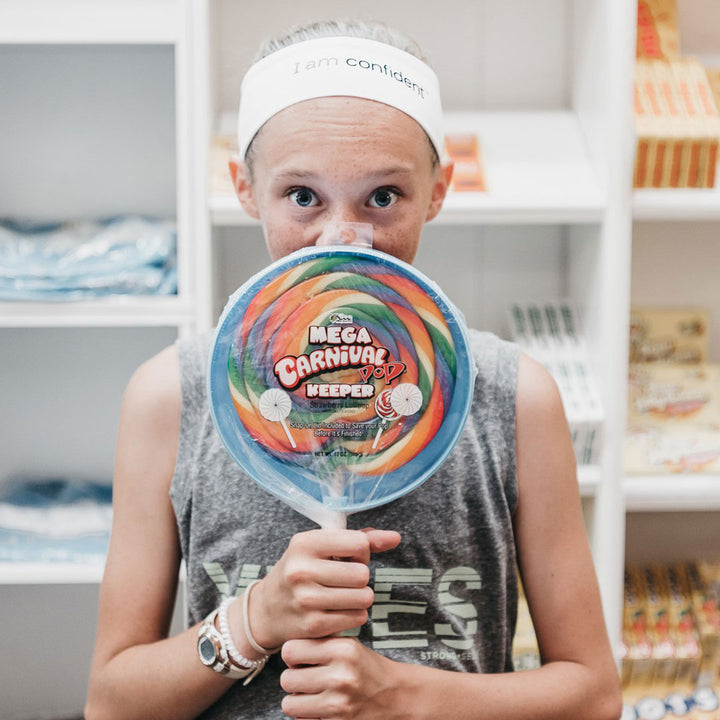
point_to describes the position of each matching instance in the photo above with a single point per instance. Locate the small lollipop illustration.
(404, 399)
(275, 405)
(385, 411)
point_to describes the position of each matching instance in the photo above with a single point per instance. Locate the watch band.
(214, 654)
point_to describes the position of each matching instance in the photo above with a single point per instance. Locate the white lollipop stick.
(379, 433)
(275, 405)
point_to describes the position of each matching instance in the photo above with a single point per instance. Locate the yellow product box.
(525, 652)
(673, 419)
(669, 395)
(713, 76)
(657, 29)
(707, 617)
(664, 653)
(644, 124)
(637, 664)
(675, 335)
(693, 80)
(465, 150)
(661, 140)
(685, 135)
(683, 627)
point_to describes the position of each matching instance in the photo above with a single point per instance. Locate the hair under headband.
(332, 66)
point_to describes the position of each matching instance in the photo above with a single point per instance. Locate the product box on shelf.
(657, 29)
(669, 664)
(525, 652)
(674, 335)
(677, 124)
(549, 332)
(673, 419)
(223, 145)
(713, 76)
(706, 606)
(466, 152)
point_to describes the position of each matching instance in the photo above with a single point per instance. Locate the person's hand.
(338, 678)
(319, 587)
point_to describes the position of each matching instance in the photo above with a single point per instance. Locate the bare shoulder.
(537, 391)
(155, 385)
(545, 457)
(150, 416)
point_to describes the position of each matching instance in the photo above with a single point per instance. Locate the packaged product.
(674, 335)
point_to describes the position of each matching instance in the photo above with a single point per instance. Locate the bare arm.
(137, 671)
(578, 677)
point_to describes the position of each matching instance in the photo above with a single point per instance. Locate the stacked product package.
(677, 121)
(549, 332)
(671, 641)
(673, 394)
(525, 652)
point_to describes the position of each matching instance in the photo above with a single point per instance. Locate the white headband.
(332, 66)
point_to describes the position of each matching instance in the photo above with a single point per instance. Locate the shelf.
(537, 167)
(125, 311)
(589, 479)
(89, 21)
(51, 573)
(680, 205)
(672, 493)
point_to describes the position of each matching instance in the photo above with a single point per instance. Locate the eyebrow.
(290, 174)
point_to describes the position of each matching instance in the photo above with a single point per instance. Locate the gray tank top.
(446, 597)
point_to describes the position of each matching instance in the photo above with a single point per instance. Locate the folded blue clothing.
(54, 521)
(75, 260)
(53, 492)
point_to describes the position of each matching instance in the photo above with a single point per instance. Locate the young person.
(341, 122)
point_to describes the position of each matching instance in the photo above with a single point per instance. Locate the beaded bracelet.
(232, 651)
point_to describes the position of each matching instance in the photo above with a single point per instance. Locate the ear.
(243, 186)
(441, 184)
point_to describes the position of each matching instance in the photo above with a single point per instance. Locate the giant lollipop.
(340, 379)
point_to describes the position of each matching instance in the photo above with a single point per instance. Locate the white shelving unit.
(674, 263)
(546, 85)
(96, 122)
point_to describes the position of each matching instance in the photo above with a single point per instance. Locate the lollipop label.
(348, 346)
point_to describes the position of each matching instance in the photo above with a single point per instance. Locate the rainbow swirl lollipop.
(340, 378)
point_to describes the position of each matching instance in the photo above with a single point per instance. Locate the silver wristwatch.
(214, 654)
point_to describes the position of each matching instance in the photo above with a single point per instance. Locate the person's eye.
(303, 197)
(383, 197)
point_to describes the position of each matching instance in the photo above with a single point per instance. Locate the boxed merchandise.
(526, 655)
(706, 605)
(222, 147)
(713, 76)
(677, 124)
(637, 664)
(699, 102)
(549, 332)
(657, 29)
(683, 627)
(673, 335)
(661, 667)
(673, 419)
(465, 150)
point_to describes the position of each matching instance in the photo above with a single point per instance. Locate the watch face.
(206, 650)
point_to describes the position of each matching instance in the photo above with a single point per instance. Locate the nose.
(346, 233)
